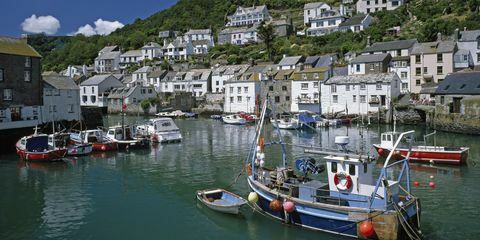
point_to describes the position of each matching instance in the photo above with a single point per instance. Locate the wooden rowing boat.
(221, 200)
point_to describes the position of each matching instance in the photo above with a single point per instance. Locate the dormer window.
(463, 86)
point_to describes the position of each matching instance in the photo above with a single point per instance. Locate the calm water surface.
(150, 194)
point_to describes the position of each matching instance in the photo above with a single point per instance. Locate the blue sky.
(63, 17)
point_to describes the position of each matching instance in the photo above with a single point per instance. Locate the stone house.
(370, 64)
(242, 91)
(452, 92)
(131, 96)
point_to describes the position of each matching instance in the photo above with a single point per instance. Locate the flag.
(124, 105)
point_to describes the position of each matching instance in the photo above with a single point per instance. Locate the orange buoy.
(261, 143)
(248, 169)
(275, 205)
(366, 229)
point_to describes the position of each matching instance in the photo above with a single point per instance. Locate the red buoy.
(366, 229)
(380, 151)
(416, 184)
(431, 184)
(276, 205)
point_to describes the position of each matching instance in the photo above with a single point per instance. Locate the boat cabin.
(388, 139)
(116, 132)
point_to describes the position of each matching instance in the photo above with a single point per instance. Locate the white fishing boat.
(286, 122)
(234, 119)
(221, 200)
(160, 130)
(129, 140)
(73, 148)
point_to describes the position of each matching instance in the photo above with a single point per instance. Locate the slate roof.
(370, 58)
(230, 69)
(16, 46)
(157, 73)
(132, 53)
(355, 20)
(311, 60)
(60, 82)
(108, 55)
(108, 49)
(433, 47)
(144, 69)
(152, 45)
(199, 31)
(95, 80)
(367, 78)
(239, 29)
(469, 36)
(121, 92)
(391, 45)
(200, 42)
(287, 61)
(177, 43)
(461, 83)
(203, 74)
(169, 76)
(312, 5)
(251, 10)
(340, 71)
(326, 60)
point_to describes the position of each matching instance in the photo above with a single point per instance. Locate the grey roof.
(312, 5)
(178, 42)
(239, 29)
(60, 82)
(145, 69)
(367, 78)
(199, 31)
(287, 61)
(152, 45)
(254, 9)
(311, 60)
(462, 52)
(108, 48)
(391, 45)
(355, 20)
(340, 71)
(230, 69)
(469, 36)
(157, 73)
(97, 79)
(370, 58)
(433, 47)
(326, 60)
(461, 83)
(108, 55)
(122, 92)
(169, 76)
(429, 88)
(203, 74)
(127, 79)
(132, 53)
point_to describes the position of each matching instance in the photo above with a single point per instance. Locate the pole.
(123, 119)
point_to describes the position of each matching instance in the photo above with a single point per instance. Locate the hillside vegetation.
(421, 19)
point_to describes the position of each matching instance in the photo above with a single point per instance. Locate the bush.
(145, 104)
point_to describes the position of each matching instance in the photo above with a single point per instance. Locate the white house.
(178, 49)
(131, 96)
(130, 57)
(290, 62)
(155, 78)
(470, 41)
(140, 76)
(201, 39)
(198, 81)
(95, 90)
(359, 94)
(327, 22)
(151, 50)
(73, 71)
(238, 35)
(166, 82)
(108, 60)
(249, 15)
(305, 90)
(313, 10)
(356, 23)
(242, 90)
(61, 99)
(222, 73)
(371, 6)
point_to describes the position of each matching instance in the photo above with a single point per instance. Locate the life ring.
(340, 176)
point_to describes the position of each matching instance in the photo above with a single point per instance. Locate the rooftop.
(132, 53)
(391, 45)
(371, 58)
(95, 80)
(152, 45)
(461, 83)
(355, 20)
(199, 31)
(16, 46)
(469, 36)
(287, 61)
(433, 47)
(312, 5)
(367, 78)
(60, 82)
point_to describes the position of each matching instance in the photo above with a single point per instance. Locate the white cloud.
(41, 24)
(102, 27)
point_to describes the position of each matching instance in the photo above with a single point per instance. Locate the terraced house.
(305, 92)
(371, 6)
(248, 16)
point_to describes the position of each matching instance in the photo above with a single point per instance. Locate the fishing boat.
(234, 119)
(286, 122)
(425, 153)
(36, 148)
(216, 117)
(129, 140)
(73, 148)
(160, 130)
(221, 200)
(350, 202)
(306, 119)
(96, 137)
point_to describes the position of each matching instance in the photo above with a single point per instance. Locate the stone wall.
(408, 116)
(132, 109)
(467, 122)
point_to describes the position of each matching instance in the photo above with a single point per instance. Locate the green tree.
(267, 35)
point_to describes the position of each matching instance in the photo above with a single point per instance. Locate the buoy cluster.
(275, 205)
(431, 184)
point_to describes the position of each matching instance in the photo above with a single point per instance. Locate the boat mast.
(123, 119)
(282, 144)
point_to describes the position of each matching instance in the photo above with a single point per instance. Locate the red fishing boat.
(431, 154)
(36, 148)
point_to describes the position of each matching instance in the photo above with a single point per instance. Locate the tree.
(267, 35)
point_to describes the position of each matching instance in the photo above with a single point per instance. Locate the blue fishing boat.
(350, 202)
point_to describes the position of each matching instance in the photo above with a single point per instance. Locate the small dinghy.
(221, 200)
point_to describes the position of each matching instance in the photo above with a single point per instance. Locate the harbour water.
(150, 194)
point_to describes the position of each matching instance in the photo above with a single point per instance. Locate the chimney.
(439, 36)
(369, 41)
(164, 42)
(456, 35)
(301, 67)
(24, 38)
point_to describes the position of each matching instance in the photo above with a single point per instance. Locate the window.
(48, 92)
(277, 99)
(425, 70)
(463, 86)
(439, 57)
(404, 75)
(245, 89)
(417, 82)
(315, 95)
(285, 77)
(368, 9)
(27, 76)
(239, 99)
(304, 86)
(270, 88)
(418, 71)
(394, 3)
(315, 84)
(363, 86)
(315, 75)
(239, 90)
(399, 52)
(347, 87)
(333, 88)
(404, 86)
(248, 99)
(334, 164)
(93, 99)
(304, 76)
(418, 59)
(379, 85)
(442, 99)
(357, 68)
(287, 98)
(439, 70)
(231, 99)
(7, 94)
(28, 62)
(231, 89)
(217, 83)
(351, 169)
(368, 3)
(372, 66)
(363, 99)
(354, 98)
(478, 57)
(465, 58)
(331, 22)
(70, 108)
(84, 99)
(284, 88)
(335, 98)
(93, 89)
(2, 77)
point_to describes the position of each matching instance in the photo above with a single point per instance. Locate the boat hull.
(456, 157)
(133, 144)
(234, 121)
(166, 137)
(79, 149)
(230, 202)
(109, 146)
(51, 155)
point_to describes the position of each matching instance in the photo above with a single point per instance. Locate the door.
(382, 100)
(456, 105)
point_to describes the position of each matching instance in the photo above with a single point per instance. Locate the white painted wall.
(240, 96)
(307, 90)
(354, 70)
